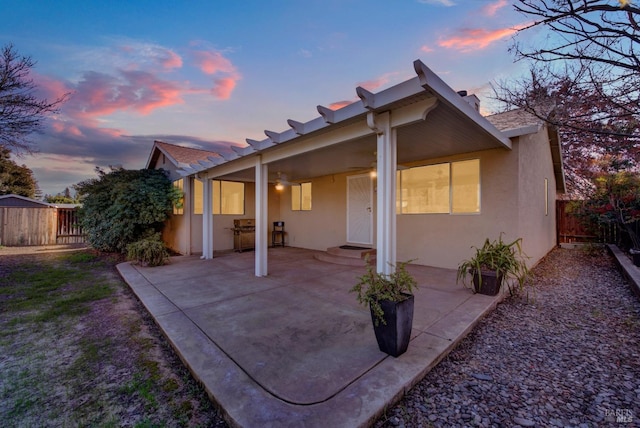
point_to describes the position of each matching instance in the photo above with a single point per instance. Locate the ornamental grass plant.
(374, 287)
(506, 259)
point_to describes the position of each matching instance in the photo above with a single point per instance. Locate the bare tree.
(592, 31)
(584, 79)
(592, 43)
(21, 111)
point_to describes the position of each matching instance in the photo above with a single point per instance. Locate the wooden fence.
(22, 226)
(27, 226)
(571, 229)
(69, 230)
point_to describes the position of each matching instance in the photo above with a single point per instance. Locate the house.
(414, 171)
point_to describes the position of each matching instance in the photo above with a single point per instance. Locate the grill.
(244, 234)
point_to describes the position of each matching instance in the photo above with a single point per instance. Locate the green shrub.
(149, 251)
(123, 206)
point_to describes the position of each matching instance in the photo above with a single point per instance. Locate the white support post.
(207, 220)
(187, 213)
(387, 164)
(262, 191)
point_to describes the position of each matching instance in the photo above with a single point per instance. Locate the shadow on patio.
(295, 348)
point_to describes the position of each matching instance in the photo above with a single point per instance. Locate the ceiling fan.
(282, 181)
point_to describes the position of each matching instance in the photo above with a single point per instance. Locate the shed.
(25, 221)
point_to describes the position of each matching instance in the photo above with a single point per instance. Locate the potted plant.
(492, 264)
(390, 301)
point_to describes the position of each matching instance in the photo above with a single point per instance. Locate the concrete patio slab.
(295, 348)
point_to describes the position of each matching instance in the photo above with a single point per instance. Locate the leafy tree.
(62, 198)
(21, 111)
(614, 200)
(15, 179)
(123, 206)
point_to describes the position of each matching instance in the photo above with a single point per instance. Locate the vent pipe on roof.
(471, 99)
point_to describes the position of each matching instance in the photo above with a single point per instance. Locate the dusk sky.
(210, 73)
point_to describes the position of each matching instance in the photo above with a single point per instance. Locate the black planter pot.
(490, 285)
(393, 337)
(635, 256)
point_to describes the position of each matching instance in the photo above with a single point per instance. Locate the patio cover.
(421, 118)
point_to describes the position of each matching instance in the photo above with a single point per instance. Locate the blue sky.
(212, 73)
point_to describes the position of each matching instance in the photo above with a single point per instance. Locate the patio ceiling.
(340, 141)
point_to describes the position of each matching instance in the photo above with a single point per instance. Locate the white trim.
(524, 130)
(431, 82)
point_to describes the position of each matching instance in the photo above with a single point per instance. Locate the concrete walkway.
(295, 348)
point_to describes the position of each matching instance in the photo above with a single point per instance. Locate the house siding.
(443, 240)
(325, 225)
(535, 164)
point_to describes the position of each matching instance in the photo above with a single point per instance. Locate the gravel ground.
(570, 358)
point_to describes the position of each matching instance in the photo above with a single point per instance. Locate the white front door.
(359, 210)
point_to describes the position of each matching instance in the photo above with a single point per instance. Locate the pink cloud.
(211, 62)
(476, 38)
(223, 87)
(339, 104)
(372, 85)
(214, 63)
(59, 127)
(492, 8)
(426, 49)
(99, 94)
(49, 88)
(171, 60)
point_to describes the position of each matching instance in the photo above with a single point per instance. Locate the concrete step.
(354, 254)
(347, 257)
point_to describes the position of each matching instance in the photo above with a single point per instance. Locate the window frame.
(399, 190)
(216, 197)
(179, 184)
(299, 188)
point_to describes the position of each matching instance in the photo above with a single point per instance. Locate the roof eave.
(430, 81)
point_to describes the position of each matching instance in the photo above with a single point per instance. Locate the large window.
(447, 188)
(465, 187)
(227, 197)
(301, 197)
(197, 196)
(425, 189)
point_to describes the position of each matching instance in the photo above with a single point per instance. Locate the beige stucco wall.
(325, 225)
(444, 240)
(536, 224)
(512, 203)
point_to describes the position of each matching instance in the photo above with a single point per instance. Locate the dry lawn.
(78, 349)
